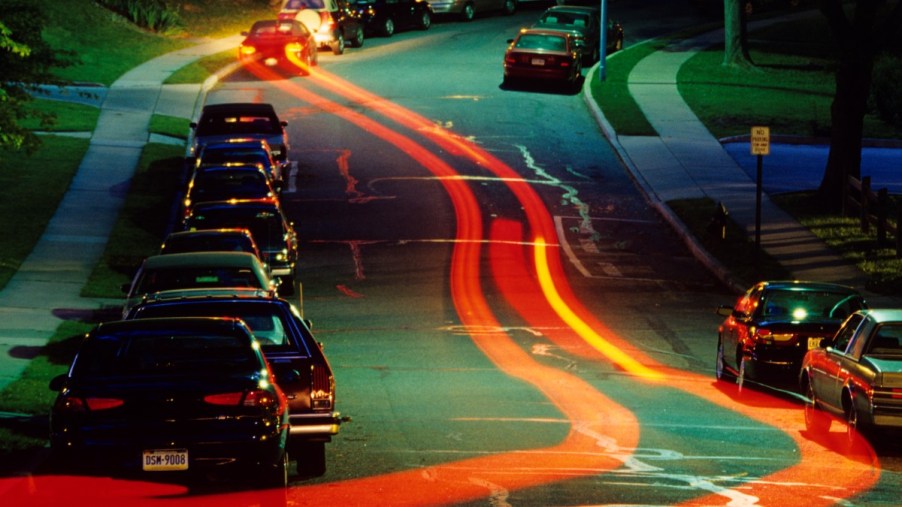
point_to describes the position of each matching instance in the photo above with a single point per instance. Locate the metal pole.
(758, 186)
(603, 42)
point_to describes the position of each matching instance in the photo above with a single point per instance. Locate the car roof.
(227, 324)
(807, 285)
(233, 231)
(189, 259)
(884, 314)
(240, 107)
(239, 142)
(268, 204)
(573, 8)
(544, 31)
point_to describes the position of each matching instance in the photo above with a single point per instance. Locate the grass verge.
(143, 221)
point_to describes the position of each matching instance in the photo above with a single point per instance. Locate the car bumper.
(314, 426)
(537, 73)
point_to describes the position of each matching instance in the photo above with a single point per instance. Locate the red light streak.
(583, 452)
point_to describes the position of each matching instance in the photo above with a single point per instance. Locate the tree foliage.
(27, 61)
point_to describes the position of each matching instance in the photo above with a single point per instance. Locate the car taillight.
(762, 335)
(321, 388)
(327, 24)
(75, 405)
(255, 398)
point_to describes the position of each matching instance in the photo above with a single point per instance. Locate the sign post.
(603, 39)
(760, 146)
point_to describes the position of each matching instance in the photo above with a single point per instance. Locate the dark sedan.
(211, 240)
(272, 231)
(544, 55)
(220, 122)
(384, 17)
(175, 396)
(225, 182)
(300, 367)
(284, 43)
(583, 22)
(856, 375)
(774, 323)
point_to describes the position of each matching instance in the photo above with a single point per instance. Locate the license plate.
(164, 460)
(538, 61)
(814, 343)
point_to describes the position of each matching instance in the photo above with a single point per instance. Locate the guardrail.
(873, 209)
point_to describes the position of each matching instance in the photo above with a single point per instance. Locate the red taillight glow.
(896, 394)
(255, 398)
(103, 403)
(321, 388)
(229, 399)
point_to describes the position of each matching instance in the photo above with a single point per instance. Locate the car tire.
(720, 366)
(816, 420)
(311, 459)
(338, 46)
(468, 13)
(510, 6)
(745, 366)
(854, 429)
(388, 27)
(618, 44)
(357, 40)
(276, 475)
(425, 21)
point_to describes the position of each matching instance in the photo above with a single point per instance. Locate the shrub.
(886, 95)
(156, 15)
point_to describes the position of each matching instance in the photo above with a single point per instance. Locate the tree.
(861, 32)
(26, 61)
(736, 50)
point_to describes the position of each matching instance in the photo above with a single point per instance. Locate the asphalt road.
(422, 194)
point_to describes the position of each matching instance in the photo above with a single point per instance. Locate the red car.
(547, 55)
(286, 43)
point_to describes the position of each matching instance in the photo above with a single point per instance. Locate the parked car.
(272, 231)
(466, 10)
(543, 55)
(297, 359)
(211, 240)
(221, 122)
(585, 22)
(856, 375)
(284, 43)
(182, 396)
(333, 22)
(246, 150)
(230, 181)
(774, 323)
(384, 17)
(197, 270)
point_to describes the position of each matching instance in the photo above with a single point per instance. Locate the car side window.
(845, 333)
(748, 303)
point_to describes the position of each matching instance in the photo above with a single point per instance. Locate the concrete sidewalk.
(45, 290)
(684, 161)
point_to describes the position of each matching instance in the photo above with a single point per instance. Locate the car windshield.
(808, 305)
(239, 123)
(156, 280)
(265, 226)
(142, 353)
(222, 185)
(235, 155)
(266, 322)
(209, 243)
(536, 41)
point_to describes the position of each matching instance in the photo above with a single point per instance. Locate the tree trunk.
(857, 39)
(736, 51)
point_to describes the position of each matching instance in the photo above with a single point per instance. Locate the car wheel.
(311, 458)
(510, 6)
(357, 40)
(388, 27)
(720, 366)
(276, 475)
(468, 12)
(744, 367)
(816, 421)
(618, 44)
(425, 21)
(338, 46)
(854, 429)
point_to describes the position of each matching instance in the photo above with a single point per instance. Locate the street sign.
(760, 142)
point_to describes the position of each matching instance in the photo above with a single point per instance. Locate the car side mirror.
(58, 383)
(725, 310)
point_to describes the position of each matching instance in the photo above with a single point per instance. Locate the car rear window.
(154, 353)
(156, 280)
(216, 125)
(807, 305)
